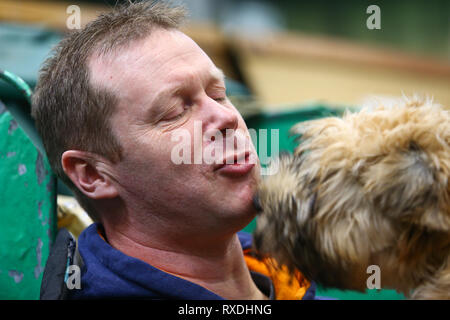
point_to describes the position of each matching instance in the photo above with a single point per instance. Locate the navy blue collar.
(109, 273)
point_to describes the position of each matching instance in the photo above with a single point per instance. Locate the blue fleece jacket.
(109, 273)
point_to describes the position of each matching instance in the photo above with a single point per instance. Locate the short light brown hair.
(70, 112)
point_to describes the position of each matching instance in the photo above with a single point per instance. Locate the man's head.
(108, 104)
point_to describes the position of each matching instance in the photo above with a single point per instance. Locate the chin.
(240, 209)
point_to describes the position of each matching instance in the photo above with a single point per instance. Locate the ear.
(90, 174)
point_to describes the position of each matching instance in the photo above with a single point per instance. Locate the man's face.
(167, 84)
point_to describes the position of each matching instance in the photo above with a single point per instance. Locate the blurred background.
(285, 52)
(285, 61)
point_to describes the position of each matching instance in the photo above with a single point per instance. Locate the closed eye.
(178, 111)
(217, 91)
(220, 99)
(172, 118)
(174, 113)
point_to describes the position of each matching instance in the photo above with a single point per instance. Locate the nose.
(220, 116)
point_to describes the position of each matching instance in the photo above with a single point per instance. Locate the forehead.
(165, 56)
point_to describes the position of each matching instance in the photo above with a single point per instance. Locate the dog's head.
(355, 187)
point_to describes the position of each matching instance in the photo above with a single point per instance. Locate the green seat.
(28, 186)
(28, 205)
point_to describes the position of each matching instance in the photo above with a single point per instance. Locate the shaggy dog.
(370, 188)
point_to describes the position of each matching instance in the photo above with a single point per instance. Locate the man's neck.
(216, 264)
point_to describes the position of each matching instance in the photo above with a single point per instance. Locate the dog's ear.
(408, 186)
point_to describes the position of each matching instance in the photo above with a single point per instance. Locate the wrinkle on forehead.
(112, 69)
(117, 70)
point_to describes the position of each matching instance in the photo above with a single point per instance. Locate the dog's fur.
(370, 188)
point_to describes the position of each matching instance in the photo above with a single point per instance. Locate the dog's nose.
(257, 203)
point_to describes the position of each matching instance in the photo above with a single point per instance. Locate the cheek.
(145, 146)
(143, 158)
(160, 159)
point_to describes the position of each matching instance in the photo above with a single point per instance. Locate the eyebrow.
(216, 74)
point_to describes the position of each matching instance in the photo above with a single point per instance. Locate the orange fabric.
(286, 287)
(100, 233)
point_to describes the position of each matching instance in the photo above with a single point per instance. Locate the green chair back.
(27, 204)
